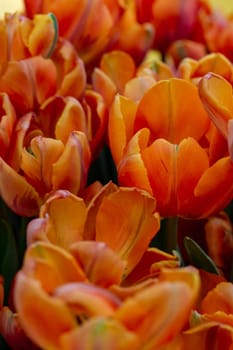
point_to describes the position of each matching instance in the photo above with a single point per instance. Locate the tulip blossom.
(119, 27)
(136, 221)
(79, 306)
(153, 152)
(24, 37)
(47, 165)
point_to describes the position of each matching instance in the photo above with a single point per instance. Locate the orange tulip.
(119, 27)
(157, 156)
(135, 224)
(79, 306)
(47, 165)
(22, 37)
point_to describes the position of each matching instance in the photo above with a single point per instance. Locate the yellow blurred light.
(226, 6)
(10, 6)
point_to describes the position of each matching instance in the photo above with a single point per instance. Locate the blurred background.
(17, 5)
(10, 6)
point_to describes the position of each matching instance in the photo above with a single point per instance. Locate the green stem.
(170, 234)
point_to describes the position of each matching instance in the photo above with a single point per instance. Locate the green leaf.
(55, 25)
(198, 257)
(8, 255)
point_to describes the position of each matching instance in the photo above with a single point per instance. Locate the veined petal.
(210, 335)
(150, 265)
(119, 66)
(104, 332)
(160, 162)
(120, 127)
(188, 275)
(7, 123)
(17, 144)
(93, 207)
(72, 118)
(133, 225)
(131, 169)
(43, 36)
(43, 318)
(219, 299)
(101, 264)
(206, 192)
(188, 172)
(104, 85)
(71, 74)
(216, 95)
(17, 193)
(51, 266)
(167, 105)
(38, 164)
(62, 230)
(70, 171)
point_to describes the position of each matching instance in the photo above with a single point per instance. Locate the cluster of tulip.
(116, 176)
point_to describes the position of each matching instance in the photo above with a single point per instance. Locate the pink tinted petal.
(101, 265)
(87, 299)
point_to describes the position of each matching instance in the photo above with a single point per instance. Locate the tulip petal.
(167, 105)
(70, 171)
(104, 85)
(51, 266)
(131, 169)
(43, 36)
(72, 118)
(16, 192)
(94, 257)
(219, 299)
(38, 163)
(93, 207)
(211, 335)
(87, 299)
(47, 320)
(119, 66)
(100, 332)
(160, 162)
(216, 95)
(62, 230)
(120, 127)
(158, 313)
(133, 225)
(206, 192)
